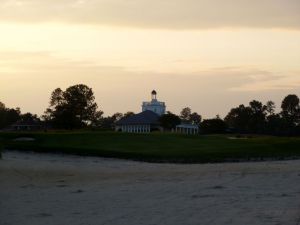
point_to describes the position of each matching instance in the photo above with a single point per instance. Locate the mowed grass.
(158, 147)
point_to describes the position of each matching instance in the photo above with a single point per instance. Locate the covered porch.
(190, 129)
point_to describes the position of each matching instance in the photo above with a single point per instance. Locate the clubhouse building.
(148, 120)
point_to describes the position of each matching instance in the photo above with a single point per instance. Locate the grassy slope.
(158, 147)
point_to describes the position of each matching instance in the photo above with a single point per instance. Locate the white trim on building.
(134, 128)
(187, 129)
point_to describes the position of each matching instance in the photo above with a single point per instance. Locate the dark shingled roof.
(143, 118)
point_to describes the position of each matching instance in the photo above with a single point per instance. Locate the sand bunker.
(24, 139)
(55, 189)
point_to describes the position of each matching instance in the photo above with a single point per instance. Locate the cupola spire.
(153, 95)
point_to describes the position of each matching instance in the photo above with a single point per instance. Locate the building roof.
(143, 118)
(188, 126)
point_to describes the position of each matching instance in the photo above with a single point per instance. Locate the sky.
(209, 55)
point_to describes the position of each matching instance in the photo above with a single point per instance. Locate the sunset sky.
(210, 55)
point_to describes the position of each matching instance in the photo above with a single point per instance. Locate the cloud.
(291, 82)
(258, 80)
(161, 14)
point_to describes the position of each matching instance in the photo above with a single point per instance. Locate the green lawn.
(157, 146)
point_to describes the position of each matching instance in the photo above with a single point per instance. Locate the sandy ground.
(48, 189)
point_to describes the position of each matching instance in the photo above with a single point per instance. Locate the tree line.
(8, 116)
(75, 108)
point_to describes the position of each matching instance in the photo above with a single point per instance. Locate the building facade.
(147, 120)
(143, 122)
(187, 129)
(154, 105)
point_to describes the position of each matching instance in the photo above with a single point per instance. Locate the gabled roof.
(184, 125)
(143, 118)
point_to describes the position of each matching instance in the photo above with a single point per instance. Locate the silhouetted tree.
(2, 106)
(185, 113)
(128, 114)
(276, 125)
(195, 118)
(96, 119)
(290, 115)
(291, 109)
(8, 116)
(270, 108)
(238, 118)
(169, 121)
(73, 108)
(290, 105)
(57, 97)
(117, 116)
(216, 125)
(257, 118)
(28, 117)
(109, 122)
(2, 114)
(252, 118)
